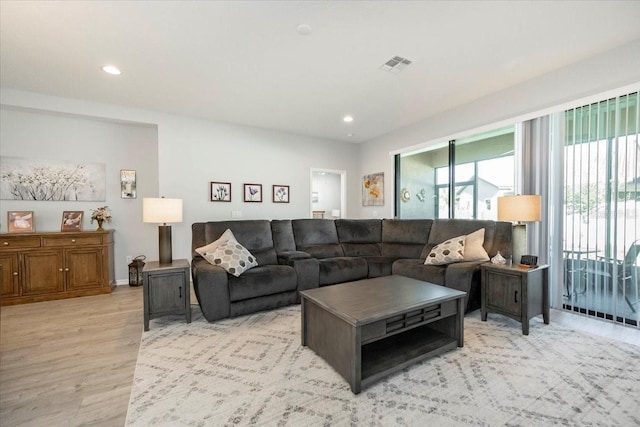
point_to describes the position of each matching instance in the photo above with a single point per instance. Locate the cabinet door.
(43, 272)
(84, 268)
(9, 275)
(166, 292)
(504, 292)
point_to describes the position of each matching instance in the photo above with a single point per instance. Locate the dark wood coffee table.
(370, 328)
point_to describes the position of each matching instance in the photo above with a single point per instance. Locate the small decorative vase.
(100, 221)
(498, 259)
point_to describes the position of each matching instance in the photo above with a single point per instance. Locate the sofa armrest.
(287, 257)
(465, 276)
(211, 285)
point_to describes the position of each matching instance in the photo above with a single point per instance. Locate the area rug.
(252, 370)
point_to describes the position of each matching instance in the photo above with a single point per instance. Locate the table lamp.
(523, 208)
(162, 211)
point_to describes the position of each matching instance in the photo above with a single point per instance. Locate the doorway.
(328, 194)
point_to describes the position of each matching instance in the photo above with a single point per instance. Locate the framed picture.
(128, 184)
(280, 194)
(373, 189)
(20, 221)
(72, 221)
(220, 191)
(253, 193)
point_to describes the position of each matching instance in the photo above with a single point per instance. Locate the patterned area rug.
(252, 370)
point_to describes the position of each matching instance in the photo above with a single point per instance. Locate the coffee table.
(370, 328)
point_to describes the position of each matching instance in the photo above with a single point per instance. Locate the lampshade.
(161, 210)
(519, 208)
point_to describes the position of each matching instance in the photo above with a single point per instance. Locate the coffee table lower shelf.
(394, 353)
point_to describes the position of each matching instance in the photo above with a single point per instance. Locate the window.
(483, 171)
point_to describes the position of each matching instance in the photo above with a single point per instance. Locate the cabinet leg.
(525, 327)
(483, 315)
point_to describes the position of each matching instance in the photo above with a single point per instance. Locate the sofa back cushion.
(282, 231)
(317, 237)
(360, 237)
(497, 235)
(255, 235)
(405, 238)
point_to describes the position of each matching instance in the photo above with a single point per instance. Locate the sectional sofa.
(294, 255)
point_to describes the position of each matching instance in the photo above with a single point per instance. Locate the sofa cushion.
(416, 269)
(473, 249)
(255, 235)
(342, 269)
(451, 250)
(405, 238)
(379, 266)
(233, 257)
(262, 280)
(317, 237)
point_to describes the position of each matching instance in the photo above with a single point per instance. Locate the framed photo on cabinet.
(72, 221)
(20, 221)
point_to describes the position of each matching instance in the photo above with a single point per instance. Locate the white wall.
(48, 136)
(611, 73)
(193, 152)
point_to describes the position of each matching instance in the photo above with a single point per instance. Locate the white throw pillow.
(233, 257)
(227, 235)
(473, 249)
(451, 250)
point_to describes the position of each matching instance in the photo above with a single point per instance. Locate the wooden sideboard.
(46, 266)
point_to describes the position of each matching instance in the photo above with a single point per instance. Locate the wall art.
(72, 221)
(128, 184)
(20, 221)
(51, 180)
(253, 193)
(220, 191)
(373, 189)
(280, 194)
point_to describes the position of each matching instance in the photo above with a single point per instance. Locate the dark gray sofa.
(294, 255)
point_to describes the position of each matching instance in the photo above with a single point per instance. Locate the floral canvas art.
(280, 194)
(253, 193)
(373, 189)
(220, 191)
(51, 180)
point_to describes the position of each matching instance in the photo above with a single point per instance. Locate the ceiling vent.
(396, 64)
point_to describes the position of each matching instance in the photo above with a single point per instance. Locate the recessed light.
(350, 135)
(347, 119)
(304, 29)
(110, 69)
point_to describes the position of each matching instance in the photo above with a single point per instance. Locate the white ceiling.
(245, 63)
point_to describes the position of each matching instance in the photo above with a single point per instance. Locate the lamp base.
(164, 233)
(519, 242)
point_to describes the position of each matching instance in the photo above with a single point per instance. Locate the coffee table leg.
(460, 322)
(303, 329)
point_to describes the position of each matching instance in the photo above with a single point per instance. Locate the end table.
(166, 290)
(519, 293)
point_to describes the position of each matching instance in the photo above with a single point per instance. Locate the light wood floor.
(71, 362)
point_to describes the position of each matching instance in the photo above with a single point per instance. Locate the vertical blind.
(601, 202)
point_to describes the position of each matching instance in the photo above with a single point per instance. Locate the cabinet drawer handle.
(73, 240)
(515, 296)
(60, 269)
(66, 269)
(15, 273)
(5, 243)
(180, 291)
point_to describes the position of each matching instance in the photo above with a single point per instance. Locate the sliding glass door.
(601, 229)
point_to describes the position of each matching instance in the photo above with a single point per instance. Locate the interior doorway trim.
(343, 189)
